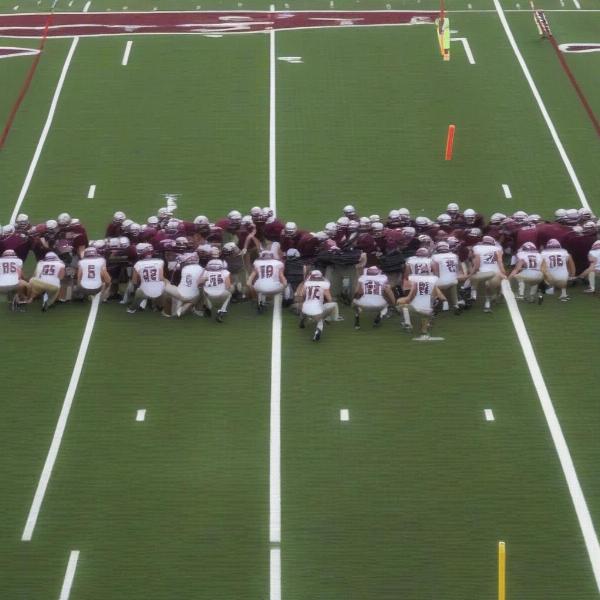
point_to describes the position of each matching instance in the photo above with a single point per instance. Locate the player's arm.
(570, 266)
(360, 290)
(475, 262)
(228, 282)
(435, 268)
(299, 295)
(518, 268)
(438, 294)
(389, 295)
(410, 297)
(501, 263)
(252, 277)
(591, 267)
(282, 278)
(79, 274)
(327, 296)
(135, 278)
(105, 276)
(61, 273)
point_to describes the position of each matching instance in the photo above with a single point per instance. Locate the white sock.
(521, 288)
(406, 315)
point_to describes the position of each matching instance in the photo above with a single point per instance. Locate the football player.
(420, 300)
(593, 269)
(12, 283)
(148, 274)
(447, 267)
(217, 288)
(317, 303)
(92, 275)
(486, 268)
(187, 292)
(267, 278)
(46, 279)
(374, 294)
(528, 272)
(557, 267)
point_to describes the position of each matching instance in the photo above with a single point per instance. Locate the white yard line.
(542, 107)
(126, 54)
(140, 415)
(91, 192)
(87, 6)
(467, 48)
(65, 591)
(40, 492)
(344, 414)
(564, 456)
(506, 191)
(489, 415)
(577, 5)
(275, 418)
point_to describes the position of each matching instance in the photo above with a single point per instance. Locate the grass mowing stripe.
(61, 425)
(65, 591)
(564, 456)
(275, 418)
(540, 103)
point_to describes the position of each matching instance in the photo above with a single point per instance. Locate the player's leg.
(356, 304)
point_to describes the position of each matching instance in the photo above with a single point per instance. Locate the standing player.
(267, 278)
(557, 268)
(11, 278)
(46, 280)
(217, 288)
(148, 274)
(528, 272)
(420, 300)
(317, 303)
(92, 275)
(373, 294)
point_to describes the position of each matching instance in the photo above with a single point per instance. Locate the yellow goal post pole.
(501, 571)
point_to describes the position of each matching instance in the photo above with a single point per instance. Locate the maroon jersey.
(75, 234)
(527, 233)
(579, 246)
(308, 246)
(394, 239)
(228, 225)
(215, 236)
(273, 229)
(114, 230)
(287, 242)
(548, 231)
(19, 242)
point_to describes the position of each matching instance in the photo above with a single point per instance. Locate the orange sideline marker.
(450, 141)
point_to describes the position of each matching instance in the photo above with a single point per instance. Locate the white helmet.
(8, 230)
(469, 215)
(119, 216)
(64, 219)
(291, 228)
(51, 225)
(201, 220)
(127, 223)
(572, 215)
(349, 210)
(164, 212)
(444, 219)
(152, 221)
(520, 216)
(497, 218)
(235, 215)
(214, 264)
(452, 208)
(404, 212)
(534, 219)
(394, 215)
(343, 222)
(331, 229)
(377, 227)
(375, 218)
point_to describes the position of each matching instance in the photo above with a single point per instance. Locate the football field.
(241, 481)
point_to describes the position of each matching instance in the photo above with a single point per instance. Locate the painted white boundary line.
(542, 107)
(126, 53)
(467, 47)
(91, 192)
(489, 415)
(140, 415)
(564, 456)
(506, 191)
(45, 130)
(65, 592)
(275, 420)
(40, 492)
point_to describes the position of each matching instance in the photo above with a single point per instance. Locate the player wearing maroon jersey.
(18, 241)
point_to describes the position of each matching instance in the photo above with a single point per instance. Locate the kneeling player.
(487, 267)
(317, 303)
(593, 269)
(11, 278)
(217, 288)
(557, 268)
(187, 292)
(374, 294)
(92, 275)
(420, 299)
(447, 266)
(46, 280)
(267, 278)
(148, 274)
(528, 272)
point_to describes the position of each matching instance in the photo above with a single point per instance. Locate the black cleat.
(207, 312)
(317, 335)
(377, 320)
(220, 315)
(356, 322)
(302, 323)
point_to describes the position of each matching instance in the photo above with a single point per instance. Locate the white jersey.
(150, 271)
(190, 279)
(215, 284)
(91, 272)
(448, 264)
(418, 265)
(488, 258)
(423, 300)
(532, 263)
(595, 255)
(268, 270)
(48, 270)
(314, 296)
(556, 262)
(9, 270)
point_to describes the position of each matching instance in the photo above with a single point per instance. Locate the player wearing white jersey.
(267, 278)
(317, 304)
(217, 288)
(420, 300)
(447, 267)
(92, 275)
(593, 268)
(416, 265)
(373, 294)
(46, 280)
(487, 268)
(148, 274)
(11, 278)
(528, 272)
(557, 267)
(187, 293)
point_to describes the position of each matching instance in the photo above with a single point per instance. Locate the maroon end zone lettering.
(592, 47)
(9, 51)
(100, 24)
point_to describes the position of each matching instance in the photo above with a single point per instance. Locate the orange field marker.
(450, 141)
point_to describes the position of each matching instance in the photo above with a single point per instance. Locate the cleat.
(208, 312)
(377, 321)
(220, 315)
(427, 338)
(540, 298)
(260, 308)
(198, 313)
(131, 310)
(45, 302)
(458, 310)
(317, 335)
(565, 298)
(164, 314)
(589, 291)
(302, 323)
(406, 327)
(520, 297)
(143, 304)
(487, 308)
(356, 323)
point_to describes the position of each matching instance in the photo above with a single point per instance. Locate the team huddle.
(413, 265)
